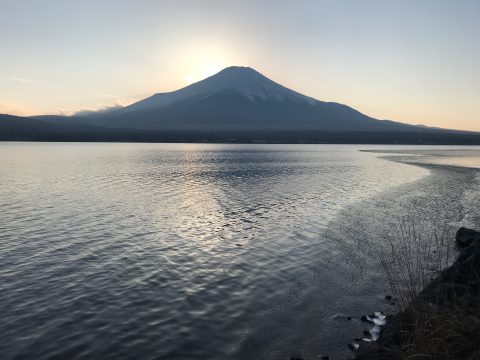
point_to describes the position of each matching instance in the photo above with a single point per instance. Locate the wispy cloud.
(19, 79)
(123, 99)
(120, 101)
(99, 109)
(30, 81)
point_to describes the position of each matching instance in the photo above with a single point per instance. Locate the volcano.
(241, 99)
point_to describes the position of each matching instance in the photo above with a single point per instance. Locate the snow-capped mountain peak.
(244, 80)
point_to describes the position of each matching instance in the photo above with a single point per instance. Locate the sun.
(200, 59)
(211, 69)
(202, 71)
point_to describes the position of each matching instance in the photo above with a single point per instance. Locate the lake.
(208, 251)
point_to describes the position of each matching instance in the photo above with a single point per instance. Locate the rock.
(341, 317)
(388, 297)
(353, 346)
(377, 318)
(465, 237)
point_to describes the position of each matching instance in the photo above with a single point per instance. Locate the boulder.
(465, 237)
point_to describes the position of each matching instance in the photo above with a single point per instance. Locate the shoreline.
(445, 292)
(456, 209)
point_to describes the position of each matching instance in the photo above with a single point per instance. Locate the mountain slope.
(229, 110)
(240, 98)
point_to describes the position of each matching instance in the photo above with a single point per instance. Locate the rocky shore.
(443, 322)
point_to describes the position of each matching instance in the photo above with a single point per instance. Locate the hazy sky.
(415, 61)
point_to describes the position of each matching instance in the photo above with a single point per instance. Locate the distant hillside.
(47, 128)
(15, 128)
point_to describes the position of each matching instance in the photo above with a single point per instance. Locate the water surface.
(187, 251)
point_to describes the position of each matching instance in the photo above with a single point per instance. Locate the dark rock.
(295, 358)
(465, 237)
(325, 357)
(388, 297)
(341, 317)
(368, 319)
(353, 347)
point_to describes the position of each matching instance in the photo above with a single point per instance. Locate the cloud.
(101, 109)
(28, 81)
(119, 98)
(120, 102)
(19, 79)
(15, 109)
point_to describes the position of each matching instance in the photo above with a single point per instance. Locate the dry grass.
(438, 332)
(438, 324)
(412, 259)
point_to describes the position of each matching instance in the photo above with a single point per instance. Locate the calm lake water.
(186, 251)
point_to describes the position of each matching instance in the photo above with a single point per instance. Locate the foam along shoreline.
(465, 158)
(378, 320)
(454, 324)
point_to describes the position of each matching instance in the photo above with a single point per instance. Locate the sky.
(414, 61)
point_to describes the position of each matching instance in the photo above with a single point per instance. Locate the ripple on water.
(154, 251)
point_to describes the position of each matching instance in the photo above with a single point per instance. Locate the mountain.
(238, 104)
(242, 80)
(240, 99)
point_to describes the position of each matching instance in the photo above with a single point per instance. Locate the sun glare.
(203, 71)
